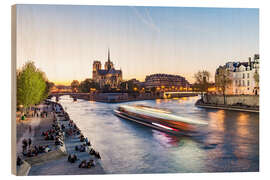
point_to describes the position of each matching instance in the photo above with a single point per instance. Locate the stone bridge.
(73, 95)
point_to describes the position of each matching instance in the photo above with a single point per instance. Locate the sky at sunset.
(63, 41)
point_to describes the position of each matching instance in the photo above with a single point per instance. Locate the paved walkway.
(62, 167)
(33, 128)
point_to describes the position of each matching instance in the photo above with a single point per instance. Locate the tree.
(202, 81)
(124, 86)
(106, 88)
(257, 80)
(49, 85)
(129, 86)
(31, 85)
(223, 80)
(87, 84)
(75, 85)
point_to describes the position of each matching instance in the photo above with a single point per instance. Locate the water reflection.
(242, 128)
(165, 139)
(216, 120)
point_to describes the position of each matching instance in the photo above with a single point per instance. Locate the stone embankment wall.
(249, 100)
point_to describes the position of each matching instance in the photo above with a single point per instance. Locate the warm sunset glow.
(176, 41)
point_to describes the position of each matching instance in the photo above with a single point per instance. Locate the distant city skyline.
(63, 41)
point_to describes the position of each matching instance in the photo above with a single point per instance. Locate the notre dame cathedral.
(108, 76)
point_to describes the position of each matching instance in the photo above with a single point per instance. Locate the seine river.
(127, 147)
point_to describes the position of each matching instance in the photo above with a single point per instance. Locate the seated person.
(92, 162)
(97, 155)
(82, 138)
(92, 151)
(82, 164)
(88, 164)
(19, 161)
(72, 158)
(47, 149)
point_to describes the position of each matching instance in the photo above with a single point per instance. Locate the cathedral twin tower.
(108, 76)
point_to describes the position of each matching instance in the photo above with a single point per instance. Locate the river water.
(127, 147)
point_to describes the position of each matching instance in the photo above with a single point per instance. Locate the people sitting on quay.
(30, 152)
(24, 144)
(63, 127)
(34, 151)
(72, 130)
(80, 148)
(47, 149)
(87, 142)
(29, 142)
(72, 158)
(53, 133)
(19, 161)
(85, 164)
(95, 153)
(82, 138)
(58, 142)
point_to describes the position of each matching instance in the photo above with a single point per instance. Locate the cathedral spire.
(109, 55)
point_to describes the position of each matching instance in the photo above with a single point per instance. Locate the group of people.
(85, 140)
(26, 143)
(38, 113)
(72, 158)
(71, 130)
(30, 151)
(80, 148)
(35, 150)
(54, 133)
(95, 153)
(85, 164)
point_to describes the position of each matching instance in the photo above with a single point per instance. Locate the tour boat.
(161, 119)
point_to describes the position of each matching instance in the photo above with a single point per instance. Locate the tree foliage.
(256, 78)
(49, 85)
(202, 80)
(31, 85)
(128, 86)
(87, 84)
(75, 85)
(223, 80)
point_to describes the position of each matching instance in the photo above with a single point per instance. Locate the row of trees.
(88, 84)
(222, 81)
(32, 85)
(84, 86)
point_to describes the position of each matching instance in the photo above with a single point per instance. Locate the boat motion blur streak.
(160, 119)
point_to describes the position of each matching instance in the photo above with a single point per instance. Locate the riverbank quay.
(242, 108)
(32, 128)
(62, 166)
(123, 97)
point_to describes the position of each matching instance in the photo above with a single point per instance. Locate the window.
(247, 75)
(248, 83)
(243, 83)
(243, 75)
(239, 82)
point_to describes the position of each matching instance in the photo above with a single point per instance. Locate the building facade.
(108, 76)
(166, 82)
(242, 76)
